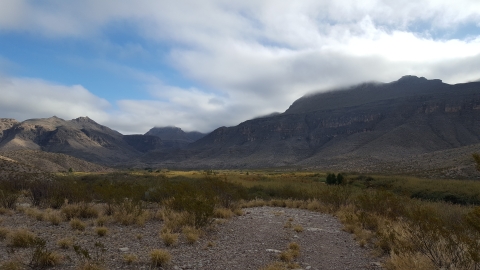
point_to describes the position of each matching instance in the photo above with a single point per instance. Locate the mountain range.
(409, 125)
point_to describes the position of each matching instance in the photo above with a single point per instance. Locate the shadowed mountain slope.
(369, 124)
(175, 134)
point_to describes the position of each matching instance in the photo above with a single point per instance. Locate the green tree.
(331, 179)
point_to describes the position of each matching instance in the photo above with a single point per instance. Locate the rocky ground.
(251, 241)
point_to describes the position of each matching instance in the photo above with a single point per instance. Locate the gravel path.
(250, 241)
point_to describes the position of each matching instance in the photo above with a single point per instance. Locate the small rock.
(124, 249)
(273, 250)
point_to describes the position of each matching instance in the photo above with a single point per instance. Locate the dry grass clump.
(21, 238)
(4, 232)
(223, 213)
(101, 231)
(12, 265)
(294, 203)
(44, 259)
(102, 221)
(79, 210)
(292, 252)
(316, 205)
(160, 257)
(169, 238)
(298, 228)
(53, 216)
(191, 234)
(238, 212)
(34, 213)
(65, 243)
(77, 224)
(175, 221)
(5, 211)
(130, 258)
(129, 212)
(253, 203)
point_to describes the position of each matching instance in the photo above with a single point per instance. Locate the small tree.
(340, 179)
(331, 179)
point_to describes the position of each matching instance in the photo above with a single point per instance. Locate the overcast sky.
(202, 64)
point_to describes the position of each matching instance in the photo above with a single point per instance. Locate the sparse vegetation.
(101, 231)
(130, 258)
(191, 234)
(65, 243)
(169, 238)
(21, 238)
(414, 222)
(160, 257)
(77, 224)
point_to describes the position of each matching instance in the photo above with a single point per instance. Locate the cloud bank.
(242, 59)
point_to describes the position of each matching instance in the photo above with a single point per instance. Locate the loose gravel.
(251, 241)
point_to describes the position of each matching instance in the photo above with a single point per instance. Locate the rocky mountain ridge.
(368, 127)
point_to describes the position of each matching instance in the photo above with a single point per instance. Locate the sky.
(199, 65)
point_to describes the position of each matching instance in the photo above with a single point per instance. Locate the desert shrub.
(130, 258)
(426, 233)
(3, 233)
(65, 243)
(130, 212)
(198, 204)
(160, 257)
(8, 198)
(191, 234)
(53, 216)
(383, 203)
(169, 238)
(336, 196)
(91, 261)
(77, 224)
(223, 213)
(34, 213)
(298, 228)
(42, 257)
(101, 231)
(79, 210)
(227, 194)
(21, 238)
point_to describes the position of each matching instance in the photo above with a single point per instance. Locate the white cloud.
(249, 58)
(24, 98)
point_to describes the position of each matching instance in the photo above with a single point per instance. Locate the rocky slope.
(409, 125)
(369, 125)
(52, 162)
(175, 134)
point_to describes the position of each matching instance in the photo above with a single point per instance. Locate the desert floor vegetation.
(412, 222)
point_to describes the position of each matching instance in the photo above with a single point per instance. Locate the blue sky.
(204, 64)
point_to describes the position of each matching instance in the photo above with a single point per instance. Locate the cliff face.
(375, 122)
(412, 124)
(5, 124)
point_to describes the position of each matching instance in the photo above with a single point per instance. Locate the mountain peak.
(174, 133)
(414, 79)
